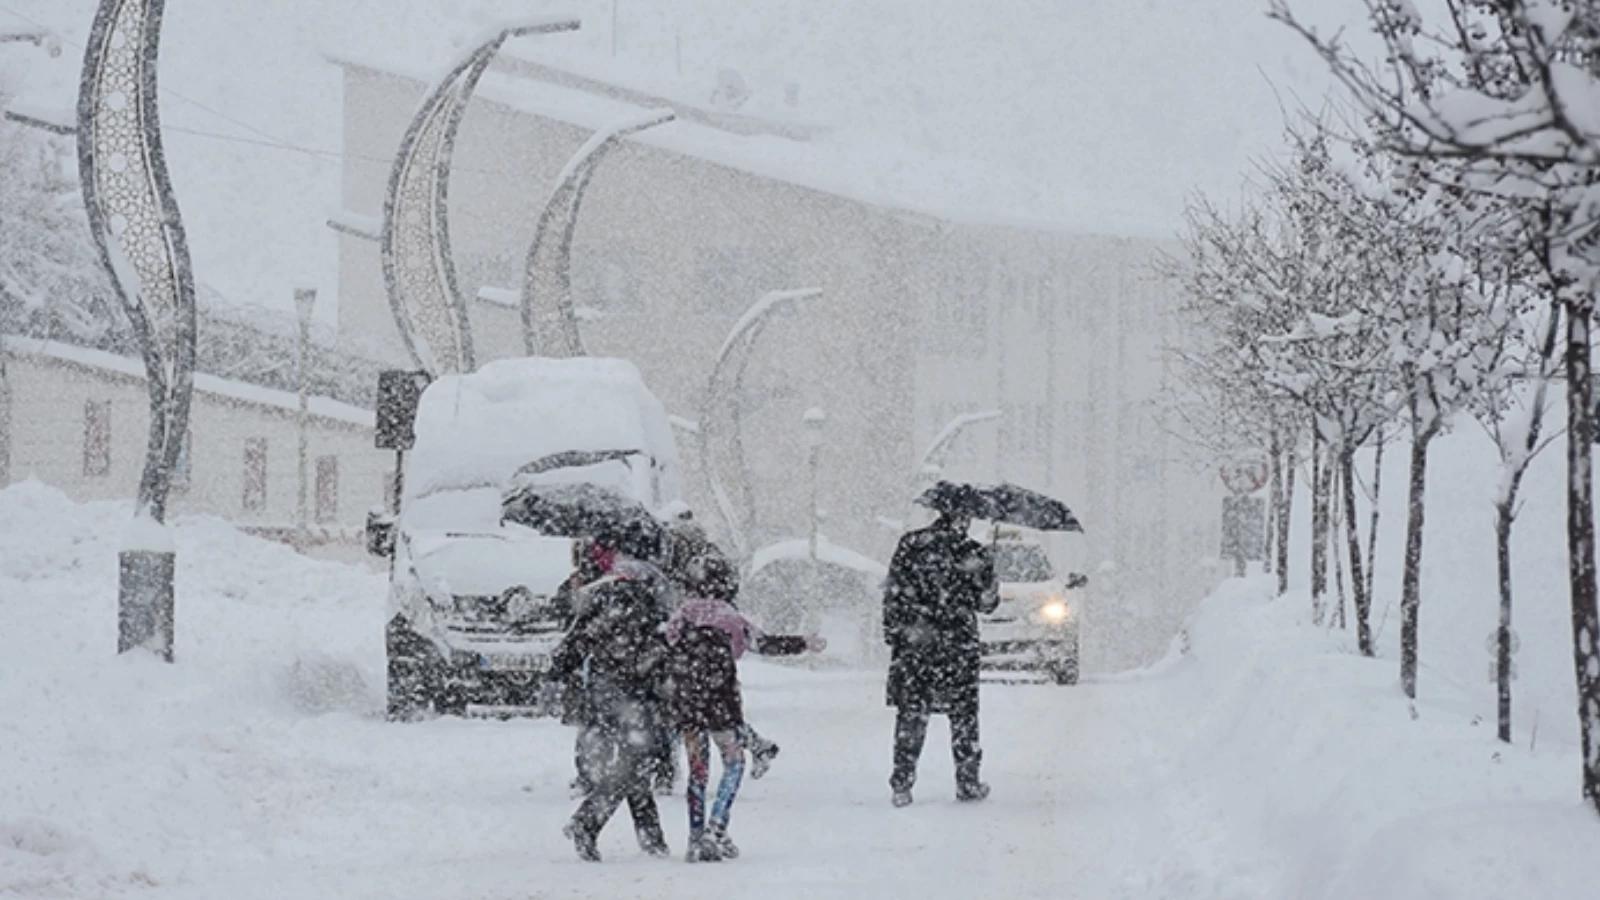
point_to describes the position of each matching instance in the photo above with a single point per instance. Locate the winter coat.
(707, 638)
(618, 634)
(939, 581)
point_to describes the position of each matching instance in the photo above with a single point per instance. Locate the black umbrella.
(1001, 503)
(586, 511)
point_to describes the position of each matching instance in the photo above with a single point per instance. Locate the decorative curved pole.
(722, 386)
(418, 268)
(933, 457)
(134, 220)
(549, 317)
(928, 468)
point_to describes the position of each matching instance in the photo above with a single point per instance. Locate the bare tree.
(1502, 91)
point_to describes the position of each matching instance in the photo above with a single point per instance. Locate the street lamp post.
(815, 419)
(305, 302)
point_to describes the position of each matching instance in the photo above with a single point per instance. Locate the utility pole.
(815, 419)
(305, 301)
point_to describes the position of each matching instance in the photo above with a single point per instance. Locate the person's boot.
(702, 849)
(717, 835)
(972, 792)
(653, 842)
(583, 840)
(761, 757)
(901, 797)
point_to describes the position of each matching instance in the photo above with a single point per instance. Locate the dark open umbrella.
(585, 511)
(1001, 503)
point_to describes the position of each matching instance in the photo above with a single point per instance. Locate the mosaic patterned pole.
(134, 220)
(549, 317)
(418, 269)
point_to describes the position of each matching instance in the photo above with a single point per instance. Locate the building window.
(731, 278)
(97, 438)
(255, 473)
(327, 489)
(180, 469)
(958, 319)
(606, 280)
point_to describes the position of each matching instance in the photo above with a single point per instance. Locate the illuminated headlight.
(1055, 612)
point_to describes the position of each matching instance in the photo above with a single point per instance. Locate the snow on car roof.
(478, 429)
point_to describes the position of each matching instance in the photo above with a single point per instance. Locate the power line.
(265, 139)
(167, 91)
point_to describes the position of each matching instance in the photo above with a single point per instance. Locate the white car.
(1034, 630)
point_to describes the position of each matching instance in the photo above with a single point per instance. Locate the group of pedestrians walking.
(652, 652)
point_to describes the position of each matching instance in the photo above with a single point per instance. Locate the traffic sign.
(1245, 476)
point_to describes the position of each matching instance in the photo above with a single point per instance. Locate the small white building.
(78, 419)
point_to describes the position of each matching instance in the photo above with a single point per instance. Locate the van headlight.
(1055, 611)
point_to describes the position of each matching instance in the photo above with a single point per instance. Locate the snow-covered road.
(1266, 762)
(352, 808)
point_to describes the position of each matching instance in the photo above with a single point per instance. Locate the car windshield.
(1021, 563)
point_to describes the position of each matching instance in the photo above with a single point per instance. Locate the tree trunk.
(1337, 558)
(1359, 585)
(1502, 656)
(1286, 516)
(1274, 500)
(1516, 461)
(1411, 582)
(1319, 529)
(1580, 546)
(1372, 533)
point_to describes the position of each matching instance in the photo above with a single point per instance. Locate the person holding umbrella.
(618, 635)
(939, 581)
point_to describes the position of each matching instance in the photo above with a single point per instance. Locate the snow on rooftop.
(1101, 115)
(319, 407)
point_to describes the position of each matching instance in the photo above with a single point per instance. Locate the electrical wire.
(264, 138)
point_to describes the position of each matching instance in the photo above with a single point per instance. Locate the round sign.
(1245, 476)
(1492, 643)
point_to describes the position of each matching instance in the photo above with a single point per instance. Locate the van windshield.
(1015, 562)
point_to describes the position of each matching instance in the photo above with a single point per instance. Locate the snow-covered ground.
(1265, 761)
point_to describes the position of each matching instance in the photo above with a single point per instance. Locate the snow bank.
(1315, 755)
(99, 746)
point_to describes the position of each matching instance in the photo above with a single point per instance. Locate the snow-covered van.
(471, 623)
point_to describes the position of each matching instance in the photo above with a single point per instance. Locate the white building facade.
(78, 418)
(926, 315)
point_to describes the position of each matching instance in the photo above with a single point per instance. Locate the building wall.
(673, 250)
(48, 417)
(922, 319)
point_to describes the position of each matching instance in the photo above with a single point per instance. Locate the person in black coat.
(939, 581)
(618, 634)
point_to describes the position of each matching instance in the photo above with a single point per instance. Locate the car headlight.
(1055, 612)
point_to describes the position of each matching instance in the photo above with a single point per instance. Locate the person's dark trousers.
(591, 752)
(911, 730)
(624, 776)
